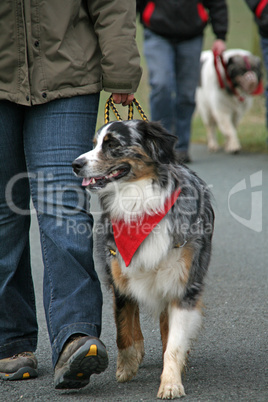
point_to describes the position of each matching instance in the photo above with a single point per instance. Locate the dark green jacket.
(60, 48)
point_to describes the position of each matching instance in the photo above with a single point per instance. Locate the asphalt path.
(229, 359)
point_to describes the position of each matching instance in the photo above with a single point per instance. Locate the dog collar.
(129, 236)
(229, 85)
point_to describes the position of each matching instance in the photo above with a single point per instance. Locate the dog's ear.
(231, 64)
(230, 61)
(157, 141)
(235, 66)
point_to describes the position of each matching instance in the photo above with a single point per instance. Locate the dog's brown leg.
(164, 329)
(138, 337)
(129, 337)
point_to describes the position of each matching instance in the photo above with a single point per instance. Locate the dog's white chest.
(156, 270)
(153, 249)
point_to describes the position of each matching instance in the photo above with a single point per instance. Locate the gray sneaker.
(81, 357)
(18, 367)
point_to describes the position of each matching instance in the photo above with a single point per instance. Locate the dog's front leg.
(213, 145)
(182, 328)
(228, 129)
(129, 338)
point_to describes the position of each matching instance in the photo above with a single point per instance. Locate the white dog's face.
(245, 72)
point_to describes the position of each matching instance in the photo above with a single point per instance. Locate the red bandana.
(129, 236)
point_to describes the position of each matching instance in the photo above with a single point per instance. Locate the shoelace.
(23, 354)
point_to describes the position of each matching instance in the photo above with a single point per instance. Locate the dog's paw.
(128, 361)
(168, 390)
(213, 146)
(232, 146)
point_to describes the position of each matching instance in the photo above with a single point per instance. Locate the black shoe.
(81, 357)
(18, 367)
(183, 157)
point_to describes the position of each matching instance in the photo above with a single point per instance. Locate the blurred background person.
(173, 41)
(260, 10)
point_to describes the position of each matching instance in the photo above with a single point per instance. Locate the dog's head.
(125, 151)
(244, 71)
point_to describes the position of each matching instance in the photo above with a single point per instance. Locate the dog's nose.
(78, 164)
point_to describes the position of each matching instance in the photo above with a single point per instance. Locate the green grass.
(242, 34)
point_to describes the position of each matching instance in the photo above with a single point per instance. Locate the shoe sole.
(90, 358)
(24, 373)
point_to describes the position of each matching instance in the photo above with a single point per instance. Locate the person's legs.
(187, 78)
(55, 134)
(159, 53)
(264, 46)
(18, 323)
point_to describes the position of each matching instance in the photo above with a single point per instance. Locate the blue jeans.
(38, 145)
(264, 46)
(174, 72)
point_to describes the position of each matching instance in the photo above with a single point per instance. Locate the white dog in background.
(225, 93)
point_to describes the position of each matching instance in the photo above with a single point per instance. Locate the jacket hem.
(51, 95)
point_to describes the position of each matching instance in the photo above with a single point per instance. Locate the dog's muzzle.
(248, 81)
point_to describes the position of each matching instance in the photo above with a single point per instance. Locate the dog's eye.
(110, 143)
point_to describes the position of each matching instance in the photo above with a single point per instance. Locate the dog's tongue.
(86, 182)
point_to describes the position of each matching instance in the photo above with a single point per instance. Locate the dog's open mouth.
(102, 181)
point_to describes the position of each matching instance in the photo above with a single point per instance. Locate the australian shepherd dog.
(157, 226)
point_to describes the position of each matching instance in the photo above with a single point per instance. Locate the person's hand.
(125, 99)
(218, 46)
